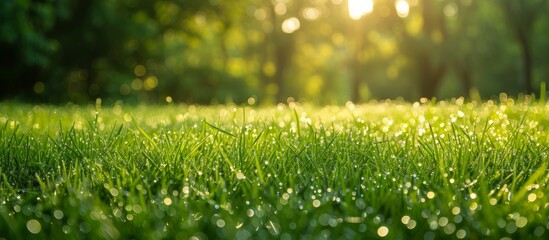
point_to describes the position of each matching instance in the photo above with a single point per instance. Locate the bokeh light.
(291, 25)
(139, 70)
(359, 8)
(402, 8)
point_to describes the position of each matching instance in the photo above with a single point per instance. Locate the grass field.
(391, 170)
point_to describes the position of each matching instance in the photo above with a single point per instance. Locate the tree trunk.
(431, 77)
(465, 78)
(283, 58)
(282, 53)
(428, 89)
(521, 17)
(355, 62)
(526, 61)
(355, 82)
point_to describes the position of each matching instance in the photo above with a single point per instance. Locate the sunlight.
(359, 8)
(450, 10)
(291, 25)
(311, 13)
(402, 8)
(281, 8)
(150, 83)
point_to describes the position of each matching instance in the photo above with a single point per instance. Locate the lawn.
(382, 170)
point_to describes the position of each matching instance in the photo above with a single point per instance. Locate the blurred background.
(322, 51)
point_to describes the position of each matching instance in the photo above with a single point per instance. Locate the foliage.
(226, 51)
(396, 170)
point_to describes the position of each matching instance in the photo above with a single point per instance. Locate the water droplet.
(411, 224)
(316, 203)
(34, 226)
(66, 229)
(450, 228)
(58, 214)
(511, 227)
(405, 220)
(382, 231)
(473, 195)
(220, 223)
(114, 192)
(443, 221)
(250, 213)
(429, 236)
(461, 234)
(539, 231)
(456, 210)
(532, 197)
(243, 234)
(521, 222)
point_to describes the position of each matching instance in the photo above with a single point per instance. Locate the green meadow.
(381, 170)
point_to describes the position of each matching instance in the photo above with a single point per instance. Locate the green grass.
(394, 170)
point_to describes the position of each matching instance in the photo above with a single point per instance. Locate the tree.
(521, 18)
(421, 34)
(24, 46)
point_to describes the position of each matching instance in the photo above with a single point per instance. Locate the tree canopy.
(215, 51)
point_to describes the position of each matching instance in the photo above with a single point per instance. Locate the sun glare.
(359, 8)
(290, 25)
(402, 8)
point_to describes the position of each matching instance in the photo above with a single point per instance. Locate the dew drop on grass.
(66, 229)
(405, 220)
(461, 234)
(34, 226)
(429, 235)
(501, 223)
(250, 213)
(473, 206)
(220, 223)
(450, 228)
(243, 234)
(473, 195)
(240, 175)
(137, 209)
(539, 231)
(362, 227)
(377, 219)
(382, 231)
(456, 210)
(316, 203)
(58, 214)
(114, 192)
(443, 221)
(532, 197)
(411, 224)
(458, 219)
(521, 222)
(511, 227)
(117, 213)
